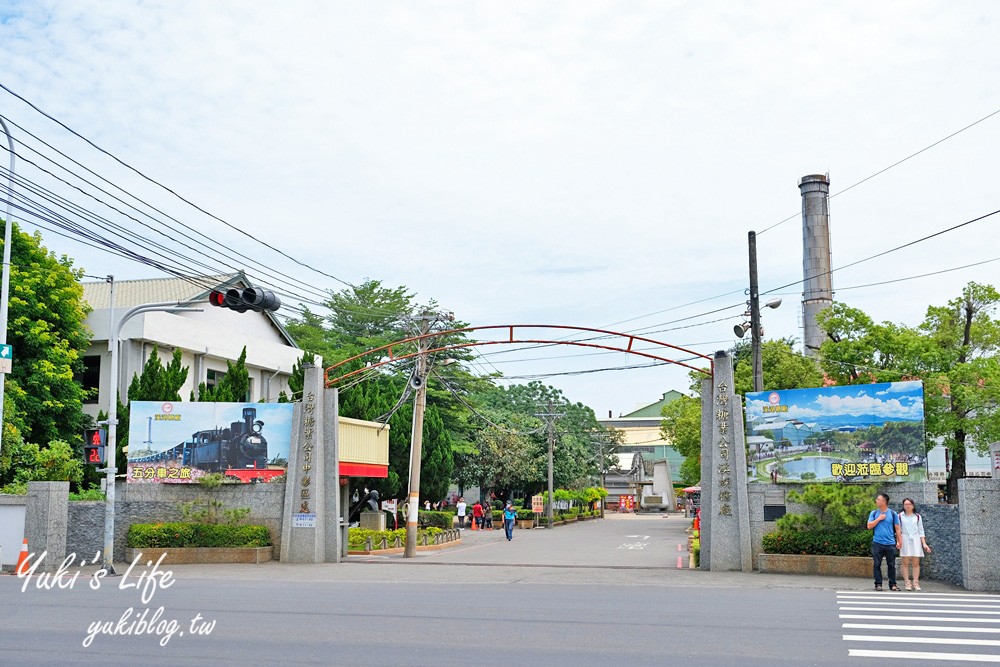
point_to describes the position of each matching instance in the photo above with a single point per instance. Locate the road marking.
(922, 640)
(920, 655)
(926, 628)
(922, 618)
(642, 537)
(680, 562)
(679, 547)
(935, 602)
(906, 603)
(922, 594)
(900, 609)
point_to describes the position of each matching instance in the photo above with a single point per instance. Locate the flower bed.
(183, 542)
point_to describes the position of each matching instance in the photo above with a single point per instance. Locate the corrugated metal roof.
(129, 293)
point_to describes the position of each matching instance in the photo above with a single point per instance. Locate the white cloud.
(484, 153)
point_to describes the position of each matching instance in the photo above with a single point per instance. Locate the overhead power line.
(171, 191)
(885, 169)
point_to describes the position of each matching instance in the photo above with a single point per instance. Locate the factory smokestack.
(817, 285)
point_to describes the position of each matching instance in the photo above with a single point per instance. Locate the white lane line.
(879, 617)
(922, 594)
(906, 599)
(902, 610)
(924, 628)
(907, 603)
(920, 655)
(922, 640)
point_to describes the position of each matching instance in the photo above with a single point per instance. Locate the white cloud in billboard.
(865, 405)
(899, 388)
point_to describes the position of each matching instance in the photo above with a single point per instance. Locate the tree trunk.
(957, 467)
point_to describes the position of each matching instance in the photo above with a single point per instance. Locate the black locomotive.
(240, 446)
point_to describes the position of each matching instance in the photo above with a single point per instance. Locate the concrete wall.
(941, 522)
(941, 526)
(149, 503)
(979, 516)
(85, 529)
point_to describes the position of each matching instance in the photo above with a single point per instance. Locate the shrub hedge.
(185, 534)
(356, 537)
(433, 519)
(819, 542)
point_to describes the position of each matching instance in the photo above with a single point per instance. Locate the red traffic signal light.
(94, 440)
(241, 300)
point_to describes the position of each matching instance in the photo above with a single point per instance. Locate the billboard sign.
(177, 443)
(856, 433)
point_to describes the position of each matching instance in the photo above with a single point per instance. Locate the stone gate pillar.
(310, 526)
(725, 510)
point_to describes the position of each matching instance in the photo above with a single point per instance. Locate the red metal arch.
(513, 339)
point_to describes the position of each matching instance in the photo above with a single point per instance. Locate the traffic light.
(241, 300)
(94, 440)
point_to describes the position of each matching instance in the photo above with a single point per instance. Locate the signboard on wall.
(859, 433)
(177, 443)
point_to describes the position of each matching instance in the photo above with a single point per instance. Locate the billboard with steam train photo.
(178, 443)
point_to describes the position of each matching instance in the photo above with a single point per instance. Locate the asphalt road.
(436, 612)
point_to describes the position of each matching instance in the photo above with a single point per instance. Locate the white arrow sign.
(5, 351)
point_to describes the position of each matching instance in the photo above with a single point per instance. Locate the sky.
(595, 164)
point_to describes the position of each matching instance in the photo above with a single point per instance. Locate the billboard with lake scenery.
(858, 433)
(179, 442)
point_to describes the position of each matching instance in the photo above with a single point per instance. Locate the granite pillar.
(45, 517)
(725, 510)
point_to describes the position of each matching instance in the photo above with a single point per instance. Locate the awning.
(692, 489)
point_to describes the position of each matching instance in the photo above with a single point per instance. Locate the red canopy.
(692, 489)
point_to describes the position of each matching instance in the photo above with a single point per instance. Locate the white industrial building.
(207, 339)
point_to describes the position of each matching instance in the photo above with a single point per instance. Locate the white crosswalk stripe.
(954, 627)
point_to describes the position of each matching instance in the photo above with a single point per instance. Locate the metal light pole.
(550, 418)
(600, 450)
(111, 449)
(5, 288)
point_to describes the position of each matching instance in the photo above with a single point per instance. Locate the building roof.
(130, 293)
(655, 409)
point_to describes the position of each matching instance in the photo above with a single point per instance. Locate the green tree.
(437, 459)
(157, 382)
(783, 367)
(27, 462)
(681, 427)
(47, 331)
(955, 352)
(233, 387)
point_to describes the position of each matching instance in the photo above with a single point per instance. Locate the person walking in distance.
(477, 515)
(914, 543)
(886, 538)
(460, 512)
(509, 516)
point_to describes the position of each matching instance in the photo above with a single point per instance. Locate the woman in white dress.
(914, 544)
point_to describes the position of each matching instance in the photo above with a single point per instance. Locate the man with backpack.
(887, 536)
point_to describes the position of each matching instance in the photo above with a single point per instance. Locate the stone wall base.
(190, 555)
(833, 566)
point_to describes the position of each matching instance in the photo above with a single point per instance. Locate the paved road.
(438, 610)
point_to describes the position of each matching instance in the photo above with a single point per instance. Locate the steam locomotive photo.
(241, 446)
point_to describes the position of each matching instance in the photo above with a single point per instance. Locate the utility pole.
(550, 418)
(758, 364)
(418, 382)
(600, 463)
(5, 290)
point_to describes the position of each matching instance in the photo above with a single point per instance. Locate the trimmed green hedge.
(178, 534)
(819, 543)
(525, 515)
(435, 519)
